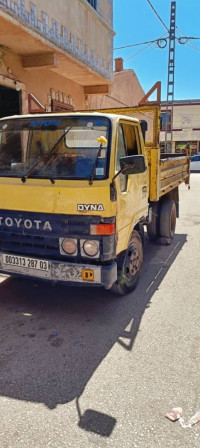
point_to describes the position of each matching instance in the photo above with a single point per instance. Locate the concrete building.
(125, 91)
(185, 125)
(53, 54)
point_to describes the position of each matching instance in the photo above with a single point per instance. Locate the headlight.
(91, 247)
(69, 246)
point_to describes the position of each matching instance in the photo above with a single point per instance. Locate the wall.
(35, 27)
(39, 82)
(126, 91)
(186, 124)
(73, 25)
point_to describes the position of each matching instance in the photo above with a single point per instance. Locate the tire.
(129, 265)
(153, 226)
(168, 219)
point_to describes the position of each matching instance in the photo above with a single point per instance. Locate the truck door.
(132, 190)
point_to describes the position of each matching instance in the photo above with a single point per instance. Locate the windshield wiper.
(46, 157)
(101, 140)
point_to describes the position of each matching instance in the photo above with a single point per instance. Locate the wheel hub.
(132, 262)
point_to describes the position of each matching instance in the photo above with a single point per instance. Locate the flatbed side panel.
(175, 181)
(169, 169)
(173, 161)
(173, 171)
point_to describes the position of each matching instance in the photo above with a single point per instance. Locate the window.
(128, 144)
(195, 159)
(55, 147)
(165, 121)
(121, 152)
(93, 3)
(132, 139)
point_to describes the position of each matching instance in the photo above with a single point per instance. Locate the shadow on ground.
(53, 338)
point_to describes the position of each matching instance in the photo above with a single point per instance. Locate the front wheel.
(129, 265)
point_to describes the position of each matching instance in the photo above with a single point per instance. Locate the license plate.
(87, 274)
(25, 262)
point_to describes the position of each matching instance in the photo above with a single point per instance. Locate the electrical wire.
(115, 99)
(130, 107)
(158, 41)
(141, 43)
(140, 51)
(157, 15)
(189, 44)
(184, 39)
(193, 46)
(149, 45)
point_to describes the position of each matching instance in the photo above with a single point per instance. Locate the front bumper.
(64, 272)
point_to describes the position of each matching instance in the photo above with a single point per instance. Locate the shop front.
(180, 147)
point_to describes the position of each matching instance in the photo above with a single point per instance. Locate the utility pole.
(170, 80)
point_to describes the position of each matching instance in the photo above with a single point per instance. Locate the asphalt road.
(81, 368)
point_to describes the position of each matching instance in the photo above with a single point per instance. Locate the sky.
(136, 22)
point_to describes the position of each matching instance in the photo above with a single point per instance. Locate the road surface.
(81, 368)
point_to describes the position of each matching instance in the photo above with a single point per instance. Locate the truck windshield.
(26, 142)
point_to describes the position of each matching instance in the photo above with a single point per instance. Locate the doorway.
(10, 100)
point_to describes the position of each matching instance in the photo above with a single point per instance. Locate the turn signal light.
(102, 229)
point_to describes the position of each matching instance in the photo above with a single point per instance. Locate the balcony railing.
(59, 35)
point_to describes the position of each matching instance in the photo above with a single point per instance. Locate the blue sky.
(135, 21)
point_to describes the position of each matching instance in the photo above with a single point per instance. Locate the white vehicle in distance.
(195, 163)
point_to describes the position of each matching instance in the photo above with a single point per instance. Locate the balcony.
(44, 41)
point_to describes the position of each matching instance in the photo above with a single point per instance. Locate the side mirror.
(132, 164)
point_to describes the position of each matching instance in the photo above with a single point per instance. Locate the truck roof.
(114, 117)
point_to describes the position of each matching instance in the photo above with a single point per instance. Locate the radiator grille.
(17, 239)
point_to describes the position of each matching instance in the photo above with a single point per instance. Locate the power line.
(140, 51)
(162, 43)
(184, 39)
(157, 15)
(190, 44)
(136, 45)
(115, 99)
(193, 46)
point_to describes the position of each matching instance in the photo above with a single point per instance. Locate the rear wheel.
(129, 265)
(153, 226)
(168, 219)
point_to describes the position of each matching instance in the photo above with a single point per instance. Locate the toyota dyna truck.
(77, 190)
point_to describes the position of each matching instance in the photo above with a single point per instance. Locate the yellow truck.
(77, 190)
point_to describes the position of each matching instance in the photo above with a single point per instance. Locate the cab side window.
(121, 152)
(132, 139)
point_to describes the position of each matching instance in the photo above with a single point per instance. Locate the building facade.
(184, 126)
(53, 54)
(125, 91)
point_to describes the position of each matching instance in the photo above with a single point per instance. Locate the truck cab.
(72, 189)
